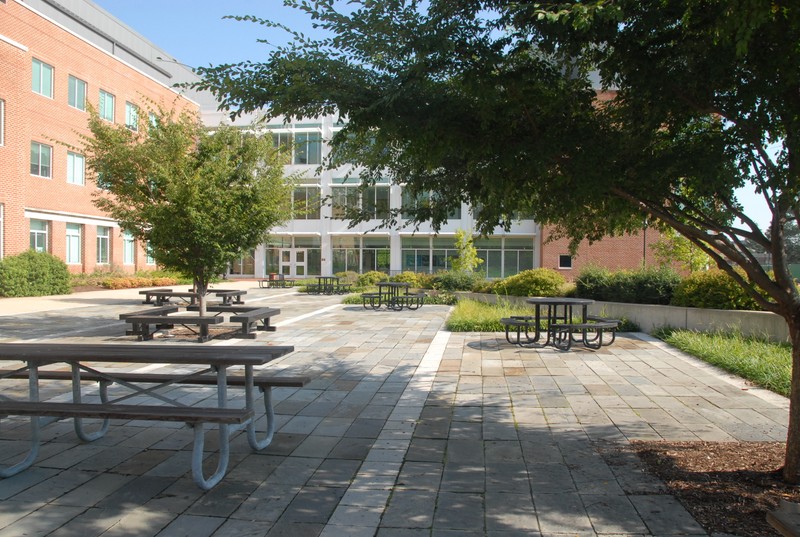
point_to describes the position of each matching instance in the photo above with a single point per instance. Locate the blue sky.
(195, 33)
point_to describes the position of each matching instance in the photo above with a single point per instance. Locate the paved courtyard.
(406, 430)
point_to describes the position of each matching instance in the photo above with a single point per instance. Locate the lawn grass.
(766, 364)
(475, 316)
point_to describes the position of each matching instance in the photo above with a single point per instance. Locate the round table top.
(559, 301)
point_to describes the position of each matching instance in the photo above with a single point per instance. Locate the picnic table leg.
(252, 439)
(224, 440)
(33, 451)
(76, 398)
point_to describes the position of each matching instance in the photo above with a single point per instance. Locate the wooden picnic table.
(393, 295)
(209, 366)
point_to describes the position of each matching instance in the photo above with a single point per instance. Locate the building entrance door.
(293, 262)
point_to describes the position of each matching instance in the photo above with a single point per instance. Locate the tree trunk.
(201, 289)
(791, 465)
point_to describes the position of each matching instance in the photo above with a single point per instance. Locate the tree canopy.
(197, 199)
(589, 115)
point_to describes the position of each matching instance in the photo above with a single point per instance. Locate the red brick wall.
(627, 252)
(33, 117)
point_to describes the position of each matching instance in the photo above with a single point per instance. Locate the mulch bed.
(728, 487)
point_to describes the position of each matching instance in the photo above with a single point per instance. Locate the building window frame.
(131, 116)
(106, 105)
(306, 201)
(76, 93)
(76, 168)
(128, 249)
(103, 245)
(39, 235)
(564, 261)
(41, 160)
(73, 244)
(42, 78)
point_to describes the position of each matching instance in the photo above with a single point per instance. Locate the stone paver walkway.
(407, 430)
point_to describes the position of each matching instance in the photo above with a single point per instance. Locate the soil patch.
(728, 487)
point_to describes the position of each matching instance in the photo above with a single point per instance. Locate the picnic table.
(276, 280)
(328, 285)
(561, 321)
(393, 295)
(199, 365)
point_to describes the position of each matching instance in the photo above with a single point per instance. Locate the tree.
(197, 199)
(672, 248)
(495, 103)
(467, 259)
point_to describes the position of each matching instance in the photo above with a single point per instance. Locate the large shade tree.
(496, 103)
(197, 199)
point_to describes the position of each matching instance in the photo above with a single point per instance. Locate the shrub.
(645, 286)
(425, 280)
(407, 277)
(371, 278)
(712, 289)
(347, 276)
(455, 281)
(33, 274)
(534, 282)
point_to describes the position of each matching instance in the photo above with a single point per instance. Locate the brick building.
(55, 58)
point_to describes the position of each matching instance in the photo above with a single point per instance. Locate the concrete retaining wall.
(651, 317)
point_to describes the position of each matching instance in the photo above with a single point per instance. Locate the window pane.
(75, 168)
(40, 159)
(42, 78)
(106, 106)
(132, 116)
(77, 93)
(73, 243)
(2, 121)
(103, 239)
(38, 235)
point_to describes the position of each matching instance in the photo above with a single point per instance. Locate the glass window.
(282, 140)
(106, 109)
(132, 116)
(73, 244)
(306, 202)
(76, 93)
(76, 166)
(565, 261)
(42, 78)
(41, 159)
(149, 259)
(39, 235)
(2, 122)
(376, 201)
(128, 249)
(103, 245)
(343, 198)
(308, 148)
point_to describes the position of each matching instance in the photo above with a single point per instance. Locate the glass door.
(293, 262)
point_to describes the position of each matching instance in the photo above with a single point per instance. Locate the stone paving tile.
(404, 431)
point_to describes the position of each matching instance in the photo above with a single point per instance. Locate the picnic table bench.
(141, 324)
(160, 310)
(248, 316)
(151, 293)
(276, 280)
(213, 364)
(163, 297)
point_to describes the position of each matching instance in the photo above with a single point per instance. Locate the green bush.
(535, 282)
(712, 289)
(371, 278)
(33, 274)
(347, 276)
(407, 277)
(425, 280)
(455, 281)
(645, 286)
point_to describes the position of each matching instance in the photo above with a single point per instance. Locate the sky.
(195, 33)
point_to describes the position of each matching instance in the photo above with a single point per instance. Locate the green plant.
(371, 278)
(712, 289)
(348, 276)
(476, 316)
(33, 274)
(467, 259)
(425, 280)
(455, 281)
(534, 282)
(407, 277)
(645, 286)
(767, 364)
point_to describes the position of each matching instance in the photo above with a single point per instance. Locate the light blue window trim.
(76, 90)
(132, 116)
(42, 78)
(41, 160)
(106, 108)
(76, 169)
(128, 249)
(74, 244)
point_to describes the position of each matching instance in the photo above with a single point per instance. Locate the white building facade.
(319, 241)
